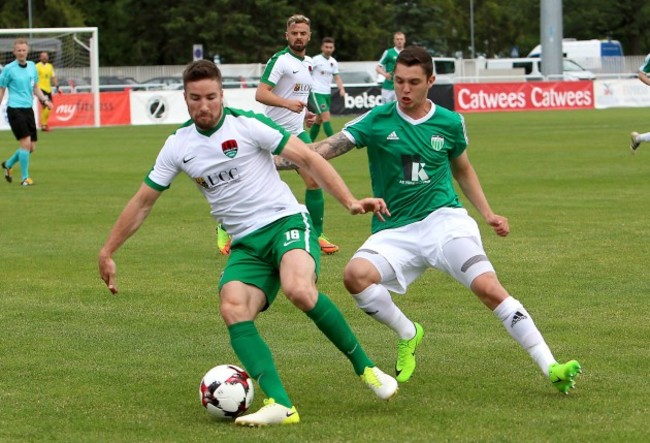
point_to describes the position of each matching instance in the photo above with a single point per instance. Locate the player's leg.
(247, 287)
(469, 264)
(299, 266)
(326, 117)
(315, 105)
(315, 203)
(18, 123)
(315, 128)
(363, 278)
(327, 125)
(636, 139)
(19, 128)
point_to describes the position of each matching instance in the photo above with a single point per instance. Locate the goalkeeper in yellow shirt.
(47, 83)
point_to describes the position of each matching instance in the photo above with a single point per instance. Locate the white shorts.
(388, 95)
(448, 240)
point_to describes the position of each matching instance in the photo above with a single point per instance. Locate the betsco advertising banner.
(75, 110)
(361, 99)
(490, 97)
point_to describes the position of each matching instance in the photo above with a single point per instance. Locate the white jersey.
(323, 73)
(233, 166)
(290, 77)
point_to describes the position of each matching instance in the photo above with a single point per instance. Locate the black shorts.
(22, 123)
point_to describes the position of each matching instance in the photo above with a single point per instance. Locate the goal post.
(74, 53)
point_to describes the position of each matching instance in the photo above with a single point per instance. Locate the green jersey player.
(386, 67)
(228, 153)
(415, 149)
(644, 76)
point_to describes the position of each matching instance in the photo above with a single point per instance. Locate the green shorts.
(255, 258)
(320, 102)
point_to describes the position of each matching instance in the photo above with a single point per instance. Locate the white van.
(531, 68)
(588, 53)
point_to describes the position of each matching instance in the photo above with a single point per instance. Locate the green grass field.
(80, 365)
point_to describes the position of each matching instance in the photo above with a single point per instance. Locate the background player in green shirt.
(386, 67)
(415, 150)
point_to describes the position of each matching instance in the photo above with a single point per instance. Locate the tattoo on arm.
(282, 164)
(331, 147)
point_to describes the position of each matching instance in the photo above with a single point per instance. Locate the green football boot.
(406, 355)
(563, 376)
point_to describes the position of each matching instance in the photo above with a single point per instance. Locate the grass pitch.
(80, 365)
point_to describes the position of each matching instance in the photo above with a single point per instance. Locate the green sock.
(327, 127)
(315, 202)
(313, 132)
(331, 322)
(13, 159)
(256, 357)
(23, 158)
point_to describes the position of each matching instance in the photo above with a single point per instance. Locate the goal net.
(74, 54)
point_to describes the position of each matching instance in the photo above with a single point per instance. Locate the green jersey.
(388, 61)
(409, 160)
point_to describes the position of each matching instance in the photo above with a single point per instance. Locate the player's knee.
(358, 275)
(489, 289)
(301, 295)
(237, 305)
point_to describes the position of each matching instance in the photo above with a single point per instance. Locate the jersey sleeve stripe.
(153, 185)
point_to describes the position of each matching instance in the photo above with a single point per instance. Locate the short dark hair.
(201, 70)
(414, 56)
(327, 40)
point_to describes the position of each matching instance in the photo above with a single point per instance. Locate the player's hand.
(499, 224)
(370, 204)
(107, 272)
(296, 106)
(310, 119)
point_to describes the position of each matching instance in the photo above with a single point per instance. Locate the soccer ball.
(226, 391)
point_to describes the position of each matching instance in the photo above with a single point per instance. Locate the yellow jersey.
(45, 75)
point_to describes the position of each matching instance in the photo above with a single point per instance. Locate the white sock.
(376, 301)
(645, 137)
(521, 327)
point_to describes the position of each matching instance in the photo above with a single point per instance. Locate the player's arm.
(339, 83)
(643, 76)
(469, 183)
(129, 221)
(331, 147)
(264, 94)
(381, 71)
(326, 176)
(2, 93)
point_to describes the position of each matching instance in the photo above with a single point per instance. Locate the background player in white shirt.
(228, 153)
(326, 69)
(284, 88)
(644, 76)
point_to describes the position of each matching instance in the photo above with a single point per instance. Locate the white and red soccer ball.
(226, 391)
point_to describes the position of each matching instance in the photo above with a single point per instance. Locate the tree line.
(162, 32)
